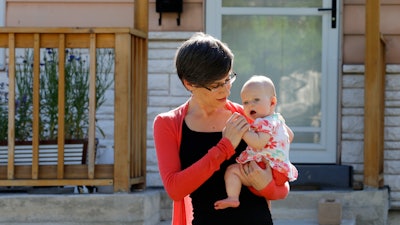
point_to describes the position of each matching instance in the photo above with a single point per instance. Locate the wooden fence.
(130, 104)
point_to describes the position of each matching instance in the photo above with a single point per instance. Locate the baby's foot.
(226, 203)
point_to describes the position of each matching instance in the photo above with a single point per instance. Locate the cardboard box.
(329, 212)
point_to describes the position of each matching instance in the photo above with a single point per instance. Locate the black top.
(253, 210)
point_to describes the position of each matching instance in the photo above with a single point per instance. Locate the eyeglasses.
(228, 81)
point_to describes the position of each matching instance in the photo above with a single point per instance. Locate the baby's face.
(256, 101)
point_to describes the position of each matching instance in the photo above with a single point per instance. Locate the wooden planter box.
(75, 152)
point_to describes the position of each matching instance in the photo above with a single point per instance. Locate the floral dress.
(276, 151)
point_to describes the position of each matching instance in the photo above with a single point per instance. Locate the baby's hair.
(264, 80)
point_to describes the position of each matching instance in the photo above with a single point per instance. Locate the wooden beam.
(92, 106)
(61, 106)
(36, 106)
(139, 92)
(374, 97)
(11, 106)
(24, 172)
(122, 112)
(57, 182)
(141, 15)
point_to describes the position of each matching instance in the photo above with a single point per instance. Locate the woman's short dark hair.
(203, 59)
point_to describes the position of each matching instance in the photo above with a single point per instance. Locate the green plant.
(3, 111)
(76, 94)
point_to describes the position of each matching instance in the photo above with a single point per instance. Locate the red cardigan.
(180, 183)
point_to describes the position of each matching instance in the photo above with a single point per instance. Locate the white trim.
(213, 22)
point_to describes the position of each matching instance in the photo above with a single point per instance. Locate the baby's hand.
(259, 178)
(234, 128)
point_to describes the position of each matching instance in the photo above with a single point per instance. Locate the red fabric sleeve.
(177, 182)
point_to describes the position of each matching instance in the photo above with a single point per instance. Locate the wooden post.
(122, 118)
(11, 106)
(61, 106)
(139, 94)
(374, 104)
(36, 106)
(92, 106)
(141, 15)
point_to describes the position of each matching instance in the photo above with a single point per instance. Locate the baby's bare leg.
(233, 183)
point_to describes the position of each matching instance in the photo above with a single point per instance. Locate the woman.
(196, 142)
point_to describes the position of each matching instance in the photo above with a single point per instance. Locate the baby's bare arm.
(256, 140)
(290, 132)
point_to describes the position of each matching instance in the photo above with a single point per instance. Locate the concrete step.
(290, 222)
(310, 222)
(164, 223)
(80, 209)
(367, 207)
(149, 207)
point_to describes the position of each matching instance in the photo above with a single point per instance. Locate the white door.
(296, 44)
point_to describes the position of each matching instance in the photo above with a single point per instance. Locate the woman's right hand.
(235, 128)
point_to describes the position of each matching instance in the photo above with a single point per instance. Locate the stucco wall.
(71, 13)
(99, 13)
(354, 30)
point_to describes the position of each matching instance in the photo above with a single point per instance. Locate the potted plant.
(76, 94)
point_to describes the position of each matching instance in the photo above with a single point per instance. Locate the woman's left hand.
(257, 177)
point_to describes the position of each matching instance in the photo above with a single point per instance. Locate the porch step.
(138, 208)
(149, 207)
(290, 222)
(366, 207)
(310, 222)
(166, 222)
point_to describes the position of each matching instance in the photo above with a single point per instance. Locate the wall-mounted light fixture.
(169, 6)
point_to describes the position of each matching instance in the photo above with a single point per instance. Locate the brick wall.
(165, 89)
(352, 123)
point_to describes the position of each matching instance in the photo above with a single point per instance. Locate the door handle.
(333, 13)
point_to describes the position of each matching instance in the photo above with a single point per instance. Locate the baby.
(268, 140)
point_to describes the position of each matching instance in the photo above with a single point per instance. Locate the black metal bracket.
(333, 12)
(163, 6)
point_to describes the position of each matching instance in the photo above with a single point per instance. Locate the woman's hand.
(235, 128)
(257, 177)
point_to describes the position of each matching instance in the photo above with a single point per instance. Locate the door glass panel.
(288, 49)
(272, 3)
